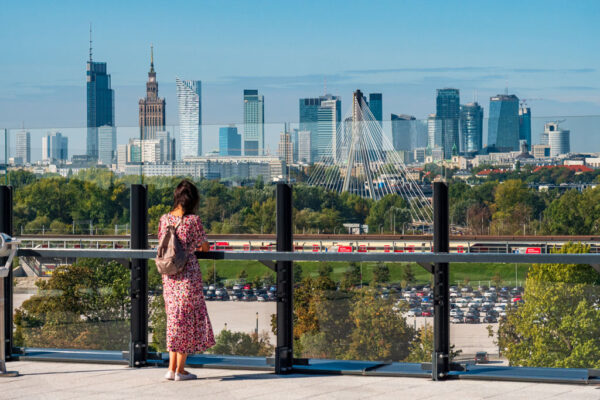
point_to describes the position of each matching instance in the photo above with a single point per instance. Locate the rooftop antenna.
(151, 57)
(90, 42)
(506, 88)
(325, 85)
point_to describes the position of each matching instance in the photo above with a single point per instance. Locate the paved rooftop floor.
(49, 380)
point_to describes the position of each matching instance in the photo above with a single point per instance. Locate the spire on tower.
(151, 58)
(90, 42)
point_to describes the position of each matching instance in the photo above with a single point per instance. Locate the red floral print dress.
(188, 327)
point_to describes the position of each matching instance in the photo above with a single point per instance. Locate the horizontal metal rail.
(552, 258)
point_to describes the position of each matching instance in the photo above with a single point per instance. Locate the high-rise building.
(189, 97)
(55, 147)
(167, 146)
(107, 144)
(434, 132)
(558, 139)
(403, 131)
(145, 151)
(304, 147)
(100, 103)
(525, 124)
(23, 143)
(448, 112)
(152, 108)
(503, 123)
(471, 127)
(254, 123)
(328, 121)
(376, 106)
(286, 148)
(309, 118)
(230, 142)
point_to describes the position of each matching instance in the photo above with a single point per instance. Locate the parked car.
(490, 319)
(414, 312)
(471, 319)
(481, 357)
(248, 296)
(457, 320)
(426, 313)
(210, 295)
(221, 294)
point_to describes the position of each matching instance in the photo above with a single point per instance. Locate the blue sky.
(545, 50)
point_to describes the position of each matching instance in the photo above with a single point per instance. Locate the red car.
(426, 313)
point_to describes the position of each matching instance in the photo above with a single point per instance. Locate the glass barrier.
(362, 311)
(79, 304)
(540, 315)
(240, 298)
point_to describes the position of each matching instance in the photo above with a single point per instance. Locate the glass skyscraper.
(55, 147)
(100, 103)
(309, 119)
(230, 143)
(403, 131)
(471, 127)
(503, 123)
(328, 121)
(189, 98)
(23, 147)
(448, 112)
(525, 125)
(107, 144)
(254, 119)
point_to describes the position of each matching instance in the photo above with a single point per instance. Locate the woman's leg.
(181, 357)
(172, 361)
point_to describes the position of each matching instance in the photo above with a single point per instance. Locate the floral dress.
(188, 327)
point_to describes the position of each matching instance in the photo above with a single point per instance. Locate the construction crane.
(523, 102)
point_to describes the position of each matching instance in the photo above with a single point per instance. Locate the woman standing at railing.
(189, 329)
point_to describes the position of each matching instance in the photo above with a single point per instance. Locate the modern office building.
(309, 120)
(189, 98)
(167, 145)
(434, 132)
(471, 127)
(558, 139)
(503, 123)
(230, 142)
(152, 108)
(540, 150)
(448, 112)
(328, 121)
(100, 103)
(376, 106)
(254, 123)
(525, 124)
(107, 144)
(286, 148)
(23, 144)
(403, 131)
(55, 147)
(304, 147)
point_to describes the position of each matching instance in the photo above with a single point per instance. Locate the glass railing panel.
(240, 299)
(362, 311)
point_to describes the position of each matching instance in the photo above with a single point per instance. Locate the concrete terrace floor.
(50, 380)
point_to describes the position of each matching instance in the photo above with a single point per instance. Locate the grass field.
(476, 273)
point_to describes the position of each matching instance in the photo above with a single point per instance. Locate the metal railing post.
(284, 352)
(6, 226)
(138, 345)
(441, 274)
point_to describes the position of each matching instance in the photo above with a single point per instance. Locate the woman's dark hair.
(186, 196)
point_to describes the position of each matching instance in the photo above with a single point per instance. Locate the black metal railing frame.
(437, 263)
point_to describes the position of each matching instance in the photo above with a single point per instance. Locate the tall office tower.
(558, 139)
(189, 97)
(328, 121)
(304, 147)
(152, 108)
(471, 127)
(286, 148)
(295, 145)
(525, 124)
(376, 107)
(503, 123)
(403, 131)
(167, 146)
(421, 137)
(55, 147)
(23, 143)
(230, 142)
(448, 111)
(254, 123)
(309, 118)
(100, 102)
(107, 144)
(434, 132)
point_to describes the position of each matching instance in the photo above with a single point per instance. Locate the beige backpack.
(170, 256)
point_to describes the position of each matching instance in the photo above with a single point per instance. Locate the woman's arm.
(204, 246)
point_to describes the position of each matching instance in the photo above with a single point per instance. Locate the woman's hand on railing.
(204, 246)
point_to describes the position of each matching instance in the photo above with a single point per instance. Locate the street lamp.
(256, 330)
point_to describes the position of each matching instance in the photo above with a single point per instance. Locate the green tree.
(559, 323)
(242, 344)
(352, 276)
(381, 273)
(409, 274)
